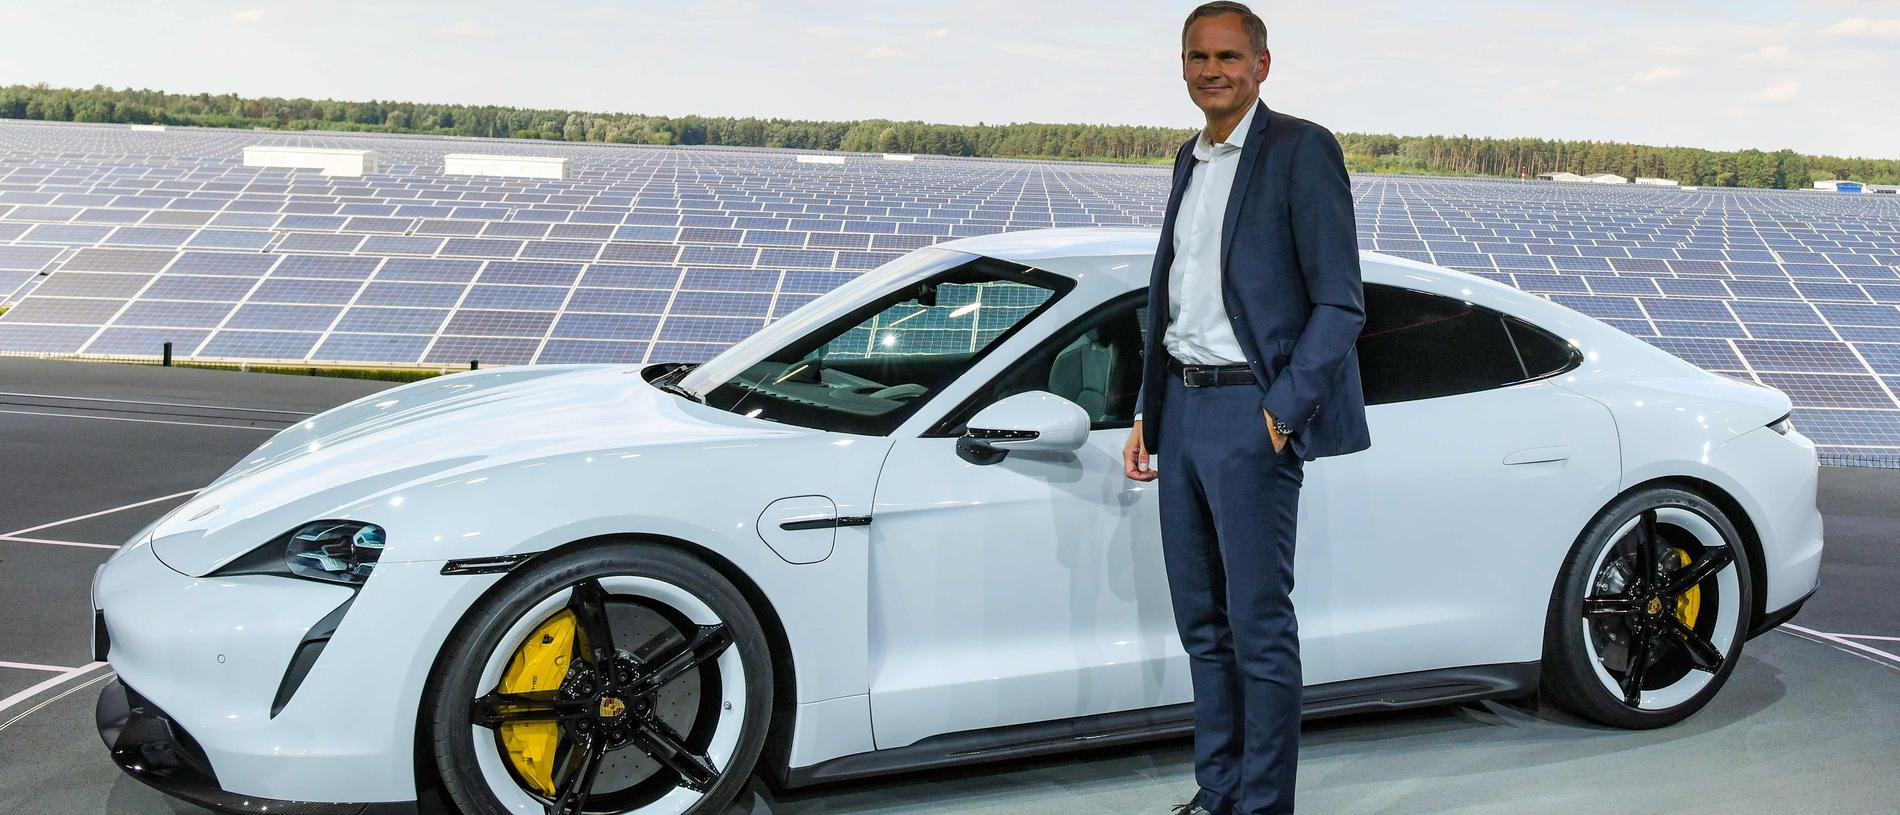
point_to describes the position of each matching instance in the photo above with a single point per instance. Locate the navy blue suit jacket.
(1291, 283)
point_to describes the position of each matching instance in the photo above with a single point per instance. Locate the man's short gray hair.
(1256, 28)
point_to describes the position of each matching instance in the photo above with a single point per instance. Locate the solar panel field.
(115, 241)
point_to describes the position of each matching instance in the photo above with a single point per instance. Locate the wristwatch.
(1280, 427)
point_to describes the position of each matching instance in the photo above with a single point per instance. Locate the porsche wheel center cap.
(612, 708)
(1655, 606)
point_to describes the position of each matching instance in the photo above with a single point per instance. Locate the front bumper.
(152, 748)
(215, 653)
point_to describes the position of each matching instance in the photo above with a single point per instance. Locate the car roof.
(1037, 247)
(1029, 245)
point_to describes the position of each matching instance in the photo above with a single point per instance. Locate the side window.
(1420, 346)
(1094, 362)
(1544, 353)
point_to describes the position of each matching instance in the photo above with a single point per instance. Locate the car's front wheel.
(1649, 614)
(624, 678)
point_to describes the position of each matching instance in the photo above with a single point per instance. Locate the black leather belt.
(1202, 376)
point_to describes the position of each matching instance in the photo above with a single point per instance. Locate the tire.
(669, 720)
(1704, 573)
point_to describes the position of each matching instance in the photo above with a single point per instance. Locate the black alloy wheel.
(1650, 612)
(626, 678)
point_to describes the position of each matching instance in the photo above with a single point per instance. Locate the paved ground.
(1805, 724)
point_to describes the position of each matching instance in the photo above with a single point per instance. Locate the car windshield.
(871, 367)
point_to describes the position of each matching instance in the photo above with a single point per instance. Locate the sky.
(1818, 76)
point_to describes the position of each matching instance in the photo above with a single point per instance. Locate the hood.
(430, 429)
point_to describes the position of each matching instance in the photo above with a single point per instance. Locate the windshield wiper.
(669, 382)
(679, 391)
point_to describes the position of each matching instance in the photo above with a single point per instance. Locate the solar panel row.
(114, 241)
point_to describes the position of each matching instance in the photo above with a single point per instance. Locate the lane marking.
(47, 685)
(43, 541)
(160, 404)
(142, 421)
(102, 512)
(28, 666)
(62, 694)
(1844, 643)
(1874, 637)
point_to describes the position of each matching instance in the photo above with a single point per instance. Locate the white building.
(1595, 178)
(1658, 182)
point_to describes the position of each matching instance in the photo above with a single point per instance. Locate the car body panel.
(1437, 547)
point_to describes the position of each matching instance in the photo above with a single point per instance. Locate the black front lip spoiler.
(149, 746)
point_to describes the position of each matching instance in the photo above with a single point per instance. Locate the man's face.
(1217, 61)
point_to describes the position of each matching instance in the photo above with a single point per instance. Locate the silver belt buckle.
(1185, 370)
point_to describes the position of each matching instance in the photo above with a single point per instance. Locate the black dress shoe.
(1191, 808)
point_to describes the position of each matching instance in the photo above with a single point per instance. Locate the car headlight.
(332, 551)
(338, 551)
(1783, 424)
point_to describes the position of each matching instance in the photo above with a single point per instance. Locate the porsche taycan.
(891, 531)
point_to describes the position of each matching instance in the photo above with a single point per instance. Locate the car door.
(1032, 588)
(1437, 546)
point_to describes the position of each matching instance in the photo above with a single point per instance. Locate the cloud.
(936, 33)
(1867, 27)
(1676, 49)
(885, 52)
(467, 28)
(727, 9)
(1052, 53)
(1659, 74)
(249, 15)
(1783, 90)
(1767, 53)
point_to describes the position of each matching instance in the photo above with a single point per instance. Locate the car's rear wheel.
(1649, 614)
(625, 678)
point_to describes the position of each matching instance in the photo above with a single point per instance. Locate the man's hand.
(1135, 456)
(1279, 441)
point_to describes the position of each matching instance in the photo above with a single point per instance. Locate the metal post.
(168, 355)
(474, 364)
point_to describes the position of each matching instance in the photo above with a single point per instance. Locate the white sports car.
(891, 531)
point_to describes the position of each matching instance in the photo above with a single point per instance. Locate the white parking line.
(1844, 643)
(142, 421)
(1873, 637)
(159, 404)
(28, 666)
(62, 694)
(13, 539)
(46, 686)
(99, 513)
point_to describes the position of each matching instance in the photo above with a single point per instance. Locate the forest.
(1365, 152)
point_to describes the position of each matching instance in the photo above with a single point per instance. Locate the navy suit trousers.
(1228, 508)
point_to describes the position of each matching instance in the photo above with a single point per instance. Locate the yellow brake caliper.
(539, 665)
(1691, 601)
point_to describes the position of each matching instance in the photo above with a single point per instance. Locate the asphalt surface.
(1806, 722)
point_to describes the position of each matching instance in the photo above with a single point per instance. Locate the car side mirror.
(1036, 420)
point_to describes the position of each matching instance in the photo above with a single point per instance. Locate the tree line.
(1437, 155)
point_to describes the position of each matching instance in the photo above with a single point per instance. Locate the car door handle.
(1534, 455)
(826, 523)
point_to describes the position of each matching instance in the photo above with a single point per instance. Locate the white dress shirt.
(1199, 331)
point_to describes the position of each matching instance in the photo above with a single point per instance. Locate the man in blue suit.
(1255, 305)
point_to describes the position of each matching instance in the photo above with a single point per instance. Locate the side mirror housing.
(1035, 420)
